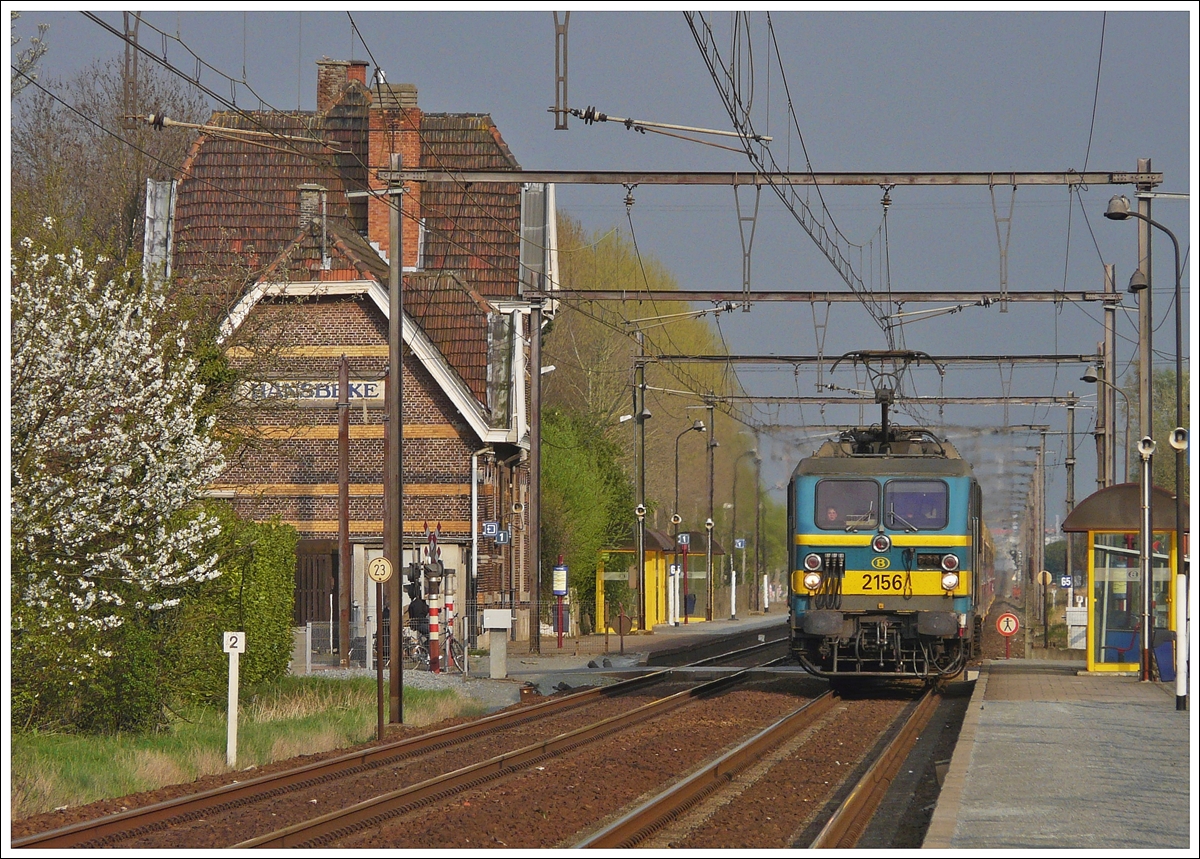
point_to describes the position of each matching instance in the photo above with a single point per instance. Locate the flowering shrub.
(108, 458)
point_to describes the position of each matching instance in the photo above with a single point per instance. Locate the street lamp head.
(698, 426)
(645, 415)
(1090, 374)
(1137, 281)
(1118, 208)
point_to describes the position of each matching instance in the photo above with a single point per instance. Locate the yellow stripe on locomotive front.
(891, 583)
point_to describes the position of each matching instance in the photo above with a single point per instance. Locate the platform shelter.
(618, 582)
(1112, 518)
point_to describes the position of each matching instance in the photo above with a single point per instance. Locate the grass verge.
(297, 715)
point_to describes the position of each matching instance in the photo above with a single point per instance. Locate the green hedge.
(254, 595)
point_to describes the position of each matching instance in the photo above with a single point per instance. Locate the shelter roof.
(1119, 508)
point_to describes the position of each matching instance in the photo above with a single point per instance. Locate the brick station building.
(269, 220)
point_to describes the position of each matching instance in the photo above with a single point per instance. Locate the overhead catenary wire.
(829, 245)
(460, 245)
(289, 145)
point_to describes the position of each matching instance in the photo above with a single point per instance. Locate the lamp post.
(708, 527)
(1119, 210)
(697, 426)
(733, 526)
(708, 573)
(1092, 375)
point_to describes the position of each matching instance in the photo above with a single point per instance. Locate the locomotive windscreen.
(916, 505)
(847, 505)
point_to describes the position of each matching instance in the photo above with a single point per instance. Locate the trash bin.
(689, 605)
(1164, 654)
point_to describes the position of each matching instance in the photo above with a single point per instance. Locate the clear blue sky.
(994, 90)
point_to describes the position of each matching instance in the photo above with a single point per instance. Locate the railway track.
(140, 824)
(700, 793)
(322, 830)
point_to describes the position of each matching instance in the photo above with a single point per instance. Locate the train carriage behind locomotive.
(891, 561)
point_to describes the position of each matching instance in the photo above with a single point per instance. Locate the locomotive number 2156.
(882, 582)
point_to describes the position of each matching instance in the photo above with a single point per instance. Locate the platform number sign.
(503, 538)
(739, 542)
(1007, 624)
(685, 538)
(235, 642)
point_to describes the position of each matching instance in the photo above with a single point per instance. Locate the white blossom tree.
(108, 455)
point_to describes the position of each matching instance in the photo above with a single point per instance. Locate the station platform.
(639, 650)
(1049, 759)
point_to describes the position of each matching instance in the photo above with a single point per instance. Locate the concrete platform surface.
(1049, 759)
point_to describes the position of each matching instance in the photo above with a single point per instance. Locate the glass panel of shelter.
(1117, 594)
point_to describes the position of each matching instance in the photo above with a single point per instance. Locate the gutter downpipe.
(474, 590)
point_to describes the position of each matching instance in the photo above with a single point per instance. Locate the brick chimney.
(332, 77)
(310, 204)
(395, 121)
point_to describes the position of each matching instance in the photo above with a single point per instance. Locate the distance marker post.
(235, 644)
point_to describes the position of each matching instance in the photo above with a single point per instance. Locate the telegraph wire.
(135, 147)
(733, 105)
(323, 143)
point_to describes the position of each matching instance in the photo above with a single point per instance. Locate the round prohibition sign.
(1007, 624)
(380, 570)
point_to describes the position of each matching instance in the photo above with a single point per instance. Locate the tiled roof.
(238, 203)
(238, 208)
(454, 317)
(472, 230)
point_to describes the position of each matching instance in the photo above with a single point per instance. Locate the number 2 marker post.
(235, 643)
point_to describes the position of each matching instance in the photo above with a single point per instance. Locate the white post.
(371, 630)
(732, 594)
(1181, 629)
(672, 596)
(765, 602)
(235, 643)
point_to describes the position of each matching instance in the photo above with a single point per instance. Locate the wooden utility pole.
(535, 471)
(344, 572)
(393, 525)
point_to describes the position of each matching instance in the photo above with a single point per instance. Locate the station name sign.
(312, 391)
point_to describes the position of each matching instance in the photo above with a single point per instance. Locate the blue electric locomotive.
(891, 562)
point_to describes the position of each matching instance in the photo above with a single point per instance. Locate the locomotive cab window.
(915, 505)
(846, 505)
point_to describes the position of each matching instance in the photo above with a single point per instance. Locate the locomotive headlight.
(812, 580)
(881, 543)
(949, 563)
(812, 563)
(949, 581)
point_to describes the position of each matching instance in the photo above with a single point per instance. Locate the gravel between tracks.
(551, 804)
